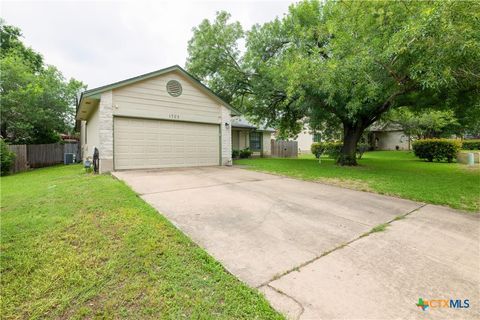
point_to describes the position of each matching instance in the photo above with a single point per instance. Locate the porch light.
(227, 125)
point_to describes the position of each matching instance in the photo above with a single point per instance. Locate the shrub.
(6, 158)
(436, 149)
(334, 149)
(245, 153)
(235, 154)
(317, 148)
(361, 148)
(471, 144)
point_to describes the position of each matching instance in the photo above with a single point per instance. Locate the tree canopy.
(350, 62)
(37, 102)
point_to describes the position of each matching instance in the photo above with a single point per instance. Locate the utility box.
(69, 158)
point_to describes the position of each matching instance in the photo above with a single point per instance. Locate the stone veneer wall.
(267, 144)
(106, 132)
(226, 136)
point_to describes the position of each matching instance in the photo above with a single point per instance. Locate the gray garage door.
(140, 143)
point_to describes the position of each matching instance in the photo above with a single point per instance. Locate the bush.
(334, 149)
(235, 154)
(361, 149)
(317, 148)
(245, 153)
(7, 157)
(471, 144)
(436, 149)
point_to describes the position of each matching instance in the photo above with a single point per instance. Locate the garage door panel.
(141, 143)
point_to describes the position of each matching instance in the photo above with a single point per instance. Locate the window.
(255, 141)
(317, 137)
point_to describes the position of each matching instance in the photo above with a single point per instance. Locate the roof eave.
(95, 92)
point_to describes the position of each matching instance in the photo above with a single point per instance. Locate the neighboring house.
(165, 118)
(247, 135)
(305, 139)
(381, 136)
(387, 136)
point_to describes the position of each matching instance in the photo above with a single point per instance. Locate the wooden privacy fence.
(20, 163)
(284, 149)
(42, 155)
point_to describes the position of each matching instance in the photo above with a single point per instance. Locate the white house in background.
(387, 136)
(165, 118)
(247, 135)
(381, 136)
(305, 139)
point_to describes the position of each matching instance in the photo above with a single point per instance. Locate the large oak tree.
(350, 62)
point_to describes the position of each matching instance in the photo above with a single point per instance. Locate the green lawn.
(74, 245)
(396, 173)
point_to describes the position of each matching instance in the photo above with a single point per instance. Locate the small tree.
(6, 158)
(426, 123)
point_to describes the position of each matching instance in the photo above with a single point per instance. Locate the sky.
(100, 42)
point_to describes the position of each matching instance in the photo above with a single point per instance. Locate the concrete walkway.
(307, 245)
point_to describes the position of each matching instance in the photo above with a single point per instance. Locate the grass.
(75, 245)
(396, 173)
(380, 228)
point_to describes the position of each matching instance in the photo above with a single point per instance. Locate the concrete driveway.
(307, 245)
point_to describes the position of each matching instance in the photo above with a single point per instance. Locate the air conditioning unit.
(69, 158)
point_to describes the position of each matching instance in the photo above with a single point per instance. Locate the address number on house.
(173, 116)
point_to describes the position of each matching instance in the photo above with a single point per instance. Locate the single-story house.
(247, 135)
(305, 139)
(166, 118)
(387, 136)
(381, 136)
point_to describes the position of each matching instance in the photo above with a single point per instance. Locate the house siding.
(92, 134)
(266, 144)
(150, 99)
(389, 140)
(305, 140)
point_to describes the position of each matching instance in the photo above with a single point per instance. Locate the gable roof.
(242, 122)
(95, 92)
(380, 126)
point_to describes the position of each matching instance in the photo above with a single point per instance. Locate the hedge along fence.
(437, 149)
(473, 144)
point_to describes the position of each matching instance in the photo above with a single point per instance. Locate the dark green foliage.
(334, 149)
(436, 149)
(245, 153)
(317, 148)
(361, 149)
(347, 63)
(10, 42)
(38, 103)
(235, 154)
(7, 157)
(471, 144)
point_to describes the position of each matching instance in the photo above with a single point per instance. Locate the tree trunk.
(351, 135)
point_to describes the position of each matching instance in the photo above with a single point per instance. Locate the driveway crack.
(207, 186)
(302, 309)
(296, 268)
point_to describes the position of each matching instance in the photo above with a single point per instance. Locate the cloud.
(100, 42)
